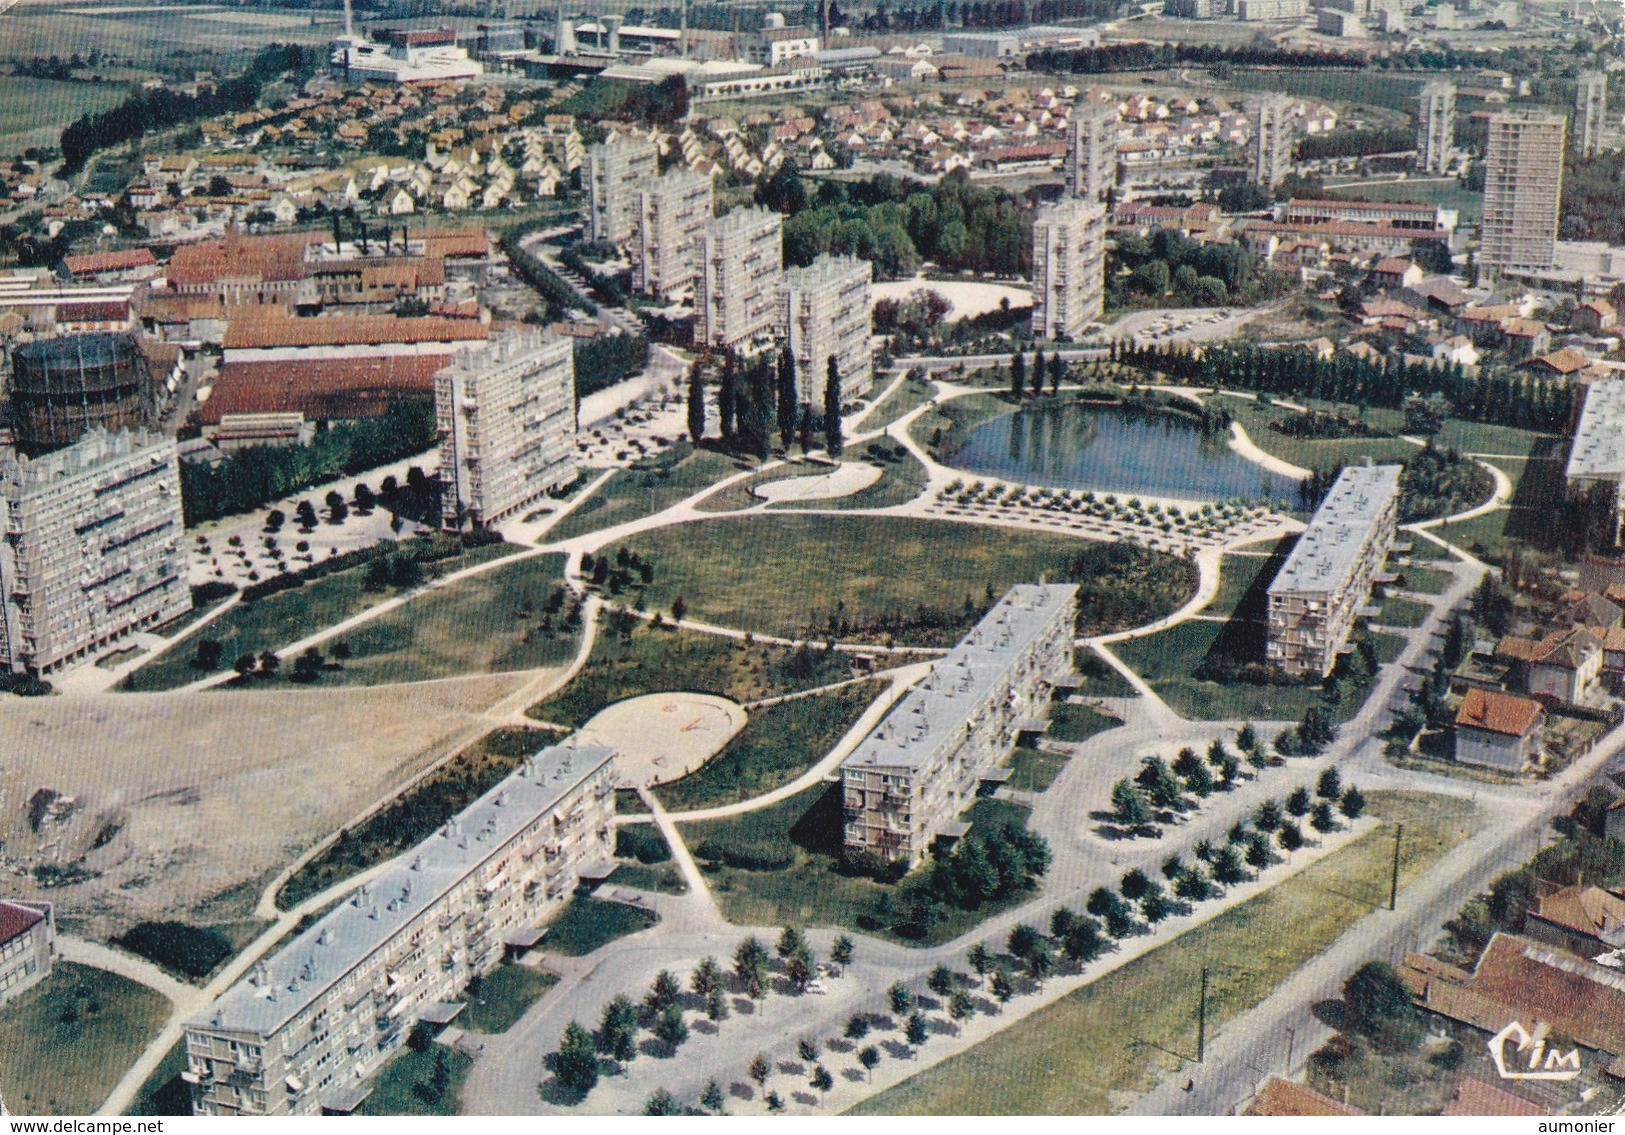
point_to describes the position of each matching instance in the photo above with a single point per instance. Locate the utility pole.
(1393, 884)
(1201, 1020)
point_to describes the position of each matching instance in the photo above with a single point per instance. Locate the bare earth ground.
(167, 784)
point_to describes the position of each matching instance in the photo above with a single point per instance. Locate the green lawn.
(778, 744)
(34, 111)
(1389, 646)
(1100, 679)
(587, 924)
(1238, 575)
(498, 999)
(902, 479)
(1449, 194)
(652, 660)
(944, 427)
(878, 579)
(1034, 770)
(912, 393)
(1074, 723)
(661, 877)
(1402, 612)
(405, 1086)
(1082, 1054)
(413, 816)
(649, 486)
(1428, 581)
(490, 623)
(66, 1042)
(164, 1092)
(738, 495)
(287, 616)
(1310, 453)
(1391, 90)
(1481, 437)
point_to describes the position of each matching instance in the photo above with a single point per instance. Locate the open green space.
(66, 1042)
(648, 877)
(943, 429)
(778, 865)
(654, 659)
(1239, 574)
(1073, 723)
(419, 1082)
(1390, 90)
(288, 616)
(778, 743)
(649, 486)
(884, 579)
(496, 1000)
(1447, 194)
(1034, 770)
(1427, 581)
(164, 1092)
(1100, 679)
(1310, 453)
(1079, 1055)
(34, 111)
(413, 815)
(489, 623)
(1389, 646)
(1402, 612)
(910, 394)
(739, 495)
(587, 924)
(902, 478)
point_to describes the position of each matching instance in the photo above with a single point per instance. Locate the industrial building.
(824, 313)
(506, 417)
(1435, 126)
(906, 783)
(618, 169)
(418, 55)
(1069, 268)
(1323, 586)
(1590, 112)
(1091, 157)
(741, 265)
(63, 386)
(1523, 185)
(27, 945)
(672, 212)
(300, 1034)
(1272, 140)
(776, 44)
(92, 549)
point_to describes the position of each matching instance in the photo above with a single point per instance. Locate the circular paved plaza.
(662, 737)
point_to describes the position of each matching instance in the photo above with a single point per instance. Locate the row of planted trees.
(759, 396)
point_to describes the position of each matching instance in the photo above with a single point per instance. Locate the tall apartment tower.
(823, 313)
(617, 169)
(672, 213)
(1272, 140)
(1435, 126)
(91, 549)
(1091, 159)
(1590, 111)
(506, 416)
(741, 265)
(1069, 267)
(1523, 183)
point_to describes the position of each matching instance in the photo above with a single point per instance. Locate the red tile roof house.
(27, 946)
(1496, 730)
(1477, 1097)
(1280, 1097)
(1558, 668)
(1582, 919)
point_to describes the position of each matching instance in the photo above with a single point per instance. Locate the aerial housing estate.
(300, 1034)
(505, 411)
(907, 782)
(1523, 185)
(1315, 597)
(824, 314)
(1069, 267)
(741, 268)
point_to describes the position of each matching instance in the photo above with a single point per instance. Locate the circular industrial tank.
(62, 387)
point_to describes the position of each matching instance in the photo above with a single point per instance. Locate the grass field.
(1310, 453)
(164, 1092)
(65, 1042)
(1402, 612)
(34, 111)
(648, 877)
(913, 392)
(902, 478)
(791, 575)
(587, 924)
(1238, 574)
(649, 486)
(498, 999)
(652, 660)
(1034, 770)
(1447, 194)
(1427, 581)
(1100, 680)
(943, 428)
(738, 495)
(1074, 724)
(778, 744)
(288, 616)
(412, 816)
(405, 1086)
(1079, 1055)
(1367, 87)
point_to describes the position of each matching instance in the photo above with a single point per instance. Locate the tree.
(1330, 785)
(244, 665)
(798, 968)
(869, 1056)
(1227, 868)
(1247, 738)
(807, 1049)
(1258, 851)
(1353, 803)
(716, 1005)
(1323, 820)
(1057, 371)
(728, 396)
(1191, 769)
(208, 655)
(1018, 374)
(1290, 837)
(1040, 963)
(1376, 997)
(959, 1006)
(774, 1103)
(791, 940)
(805, 430)
(662, 1103)
(696, 402)
(1083, 941)
(940, 981)
(670, 1027)
(617, 1031)
(980, 958)
(664, 992)
(759, 1069)
(1061, 920)
(842, 949)
(1129, 807)
(1003, 988)
(706, 977)
(821, 1079)
(915, 1031)
(900, 999)
(789, 406)
(1109, 905)
(1134, 885)
(269, 663)
(833, 440)
(1297, 802)
(712, 1099)
(1268, 817)
(1160, 785)
(857, 1026)
(1038, 371)
(575, 1064)
(1154, 905)
(1023, 939)
(750, 966)
(678, 609)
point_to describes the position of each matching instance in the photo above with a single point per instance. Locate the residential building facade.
(300, 1034)
(1597, 452)
(1496, 730)
(27, 945)
(672, 213)
(618, 169)
(1091, 158)
(823, 313)
(741, 266)
(1523, 184)
(506, 418)
(1069, 267)
(1271, 141)
(1319, 591)
(1435, 126)
(1590, 111)
(905, 784)
(92, 547)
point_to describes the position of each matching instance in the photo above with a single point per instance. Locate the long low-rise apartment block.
(301, 1033)
(1316, 596)
(908, 781)
(1597, 455)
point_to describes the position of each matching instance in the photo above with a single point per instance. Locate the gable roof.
(1496, 712)
(17, 920)
(1586, 910)
(93, 262)
(1478, 1097)
(1290, 1098)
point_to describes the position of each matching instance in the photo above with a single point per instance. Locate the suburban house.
(1498, 730)
(1593, 317)
(1290, 1098)
(1480, 1097)
(1582, 919)
(27, 945)
(1559, 667)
